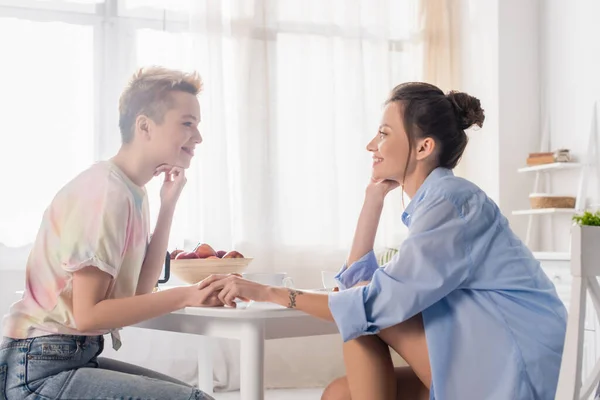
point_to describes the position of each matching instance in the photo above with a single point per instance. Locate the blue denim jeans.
(62, 367)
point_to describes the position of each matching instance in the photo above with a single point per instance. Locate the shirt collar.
(433, 177)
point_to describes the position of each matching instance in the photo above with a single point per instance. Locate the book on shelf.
(560, 155)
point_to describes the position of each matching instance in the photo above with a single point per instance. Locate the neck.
(413, 182)
(134, 165)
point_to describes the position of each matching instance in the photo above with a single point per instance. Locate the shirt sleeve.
(432, 262)
(361, 270)
(94, 229)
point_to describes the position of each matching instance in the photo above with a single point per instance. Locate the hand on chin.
(175, 163)
(380, 187)
(184, 161)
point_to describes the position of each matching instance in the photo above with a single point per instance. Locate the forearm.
(118, 313)
(157, 250)
(366, 229)
(315, 304)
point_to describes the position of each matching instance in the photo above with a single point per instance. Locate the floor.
(280, 394)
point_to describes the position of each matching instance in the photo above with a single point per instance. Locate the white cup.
(266, 278)
(328, 279)
(269, 278)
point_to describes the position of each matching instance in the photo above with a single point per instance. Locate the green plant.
(385, 256)
(588, 218)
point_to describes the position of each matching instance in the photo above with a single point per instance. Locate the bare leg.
(408, 387)
(369, 368)
(409, 341)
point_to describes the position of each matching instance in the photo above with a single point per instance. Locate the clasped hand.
(218, 290)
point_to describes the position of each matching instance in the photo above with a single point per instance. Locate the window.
(47, 133)
(65, 63)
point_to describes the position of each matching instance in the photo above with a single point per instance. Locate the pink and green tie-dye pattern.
(99, 219)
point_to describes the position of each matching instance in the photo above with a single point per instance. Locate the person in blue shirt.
(463, 302)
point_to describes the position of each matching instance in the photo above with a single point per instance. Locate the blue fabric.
(68, 367)
(494, 324)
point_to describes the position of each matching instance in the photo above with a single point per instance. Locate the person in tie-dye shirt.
(94, 264)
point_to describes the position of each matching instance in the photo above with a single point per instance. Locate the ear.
(143, 126)
(425, 147)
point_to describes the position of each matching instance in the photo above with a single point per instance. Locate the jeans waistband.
(77, 338)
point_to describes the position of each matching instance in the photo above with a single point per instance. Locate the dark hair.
(428, 112)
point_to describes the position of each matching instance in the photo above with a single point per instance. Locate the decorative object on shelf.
(542, 200)
(558, 156)
(547, 200)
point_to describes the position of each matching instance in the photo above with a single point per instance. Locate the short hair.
(148, 93)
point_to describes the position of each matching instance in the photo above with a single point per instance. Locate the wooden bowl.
(194, 270)
(543, 200)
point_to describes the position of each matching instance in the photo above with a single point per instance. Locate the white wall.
(570, 70)
(479, 77)
(528, 60)
(12, 275)
(10, 282)
(519, 102)
(500, 66)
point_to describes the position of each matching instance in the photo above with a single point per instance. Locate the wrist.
(167, 209)
(183, 295)
(277, 295)
(374, 199)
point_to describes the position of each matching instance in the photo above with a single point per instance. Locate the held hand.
(380, 189)
(229, 288)
(173, 184)
(198, 297)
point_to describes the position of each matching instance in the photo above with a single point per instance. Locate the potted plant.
(585, 266)
(588, 218)
(585, 240)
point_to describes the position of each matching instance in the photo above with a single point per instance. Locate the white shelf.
(535, 211)
(552, 166)
(551, 255)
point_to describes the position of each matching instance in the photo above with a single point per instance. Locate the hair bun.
(467, 109)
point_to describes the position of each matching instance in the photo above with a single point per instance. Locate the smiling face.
(396, 155)
(390, 146)
(173, 139)
(159, 115)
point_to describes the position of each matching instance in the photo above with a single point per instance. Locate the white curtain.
(293, 93)
(441, 42)
(440, 27)
(41, 145)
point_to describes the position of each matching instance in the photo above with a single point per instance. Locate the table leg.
(205, 365)
(252, 360)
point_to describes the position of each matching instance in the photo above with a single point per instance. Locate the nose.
(197, 137)
(372, 146)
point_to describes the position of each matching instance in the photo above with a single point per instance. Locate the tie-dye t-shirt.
(99, 219)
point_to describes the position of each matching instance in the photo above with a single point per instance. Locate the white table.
(251, 326)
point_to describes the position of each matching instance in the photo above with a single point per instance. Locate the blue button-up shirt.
(494, 324)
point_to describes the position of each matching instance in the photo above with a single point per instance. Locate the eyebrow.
(385, 126)
(190, 116)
